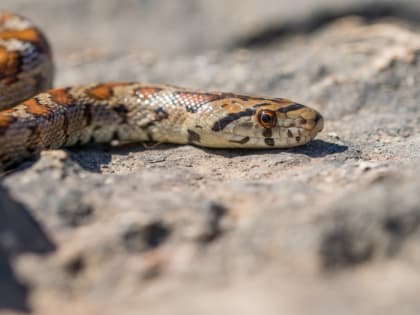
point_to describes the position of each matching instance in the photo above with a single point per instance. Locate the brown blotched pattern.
(25, 60)
(126, 111)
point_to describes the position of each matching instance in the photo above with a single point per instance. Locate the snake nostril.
(301, 121)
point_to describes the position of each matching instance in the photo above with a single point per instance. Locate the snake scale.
(34, 117)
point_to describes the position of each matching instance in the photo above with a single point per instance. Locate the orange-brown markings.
(147, 92)
(231, 107)
(61, 96)
(9, 64)
(103, 92)
(6, 119)
(3, 58)
(33, 107)
(28, 35)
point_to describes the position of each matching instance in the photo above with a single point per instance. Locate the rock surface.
(329, 228)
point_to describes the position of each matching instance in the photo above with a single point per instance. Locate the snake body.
(34, 117)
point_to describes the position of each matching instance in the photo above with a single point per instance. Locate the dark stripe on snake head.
(193, 136)
(269, 141)
(233, 96)
(267, 133)
(261, 104)
(223, 122)
(290, 108)
(244, 98)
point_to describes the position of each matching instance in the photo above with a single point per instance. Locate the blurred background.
(168, 27)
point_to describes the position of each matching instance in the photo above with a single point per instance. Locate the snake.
(34, 116)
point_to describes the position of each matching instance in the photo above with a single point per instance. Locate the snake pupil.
(267, 118)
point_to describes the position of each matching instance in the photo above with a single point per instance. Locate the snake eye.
(267, 118)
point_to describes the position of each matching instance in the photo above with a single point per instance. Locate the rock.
(322, 229)
(379, 229)
(19, 233)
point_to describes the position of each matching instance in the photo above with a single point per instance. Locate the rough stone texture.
(19, 233)
(328, 228)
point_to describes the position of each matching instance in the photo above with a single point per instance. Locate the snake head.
(266, 123)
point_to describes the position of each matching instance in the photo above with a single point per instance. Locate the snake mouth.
(279, 137)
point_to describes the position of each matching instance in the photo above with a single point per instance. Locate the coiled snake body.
(127, 111)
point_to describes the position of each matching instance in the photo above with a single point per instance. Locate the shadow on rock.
(374, 221)
(319, 148)
(92, 158)
(316, 148)
(19, 233)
